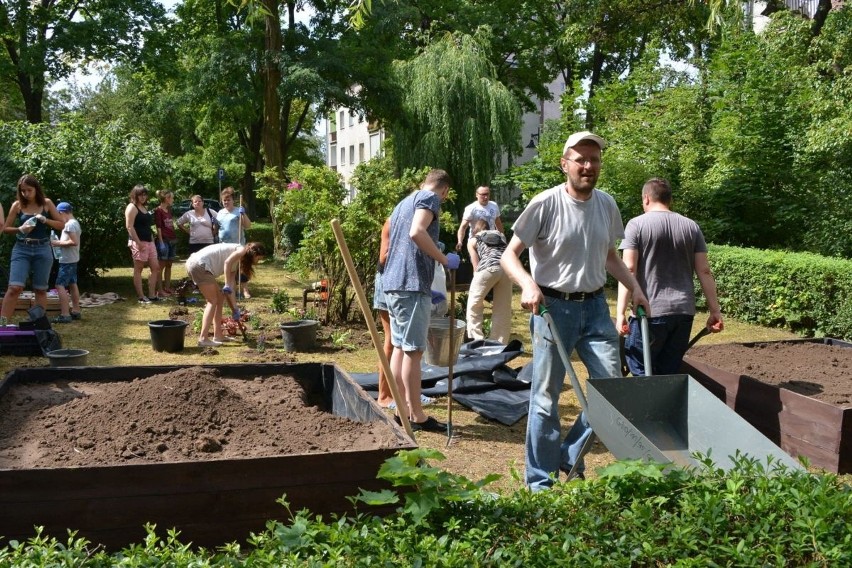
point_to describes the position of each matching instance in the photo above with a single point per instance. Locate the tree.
(455, 114)
(44, 40)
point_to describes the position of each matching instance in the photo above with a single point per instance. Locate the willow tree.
(455, 114)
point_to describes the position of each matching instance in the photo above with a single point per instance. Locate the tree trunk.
(33, 94)
(271, 79)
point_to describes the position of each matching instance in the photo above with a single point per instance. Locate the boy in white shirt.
(68, 246)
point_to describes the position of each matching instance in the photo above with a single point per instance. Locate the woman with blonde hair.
(209, 263)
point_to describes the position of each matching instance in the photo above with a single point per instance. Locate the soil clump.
(190, 414)
(820, 371)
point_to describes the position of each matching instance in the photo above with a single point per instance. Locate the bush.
(634, 514)
(94, 168)
(803, 292)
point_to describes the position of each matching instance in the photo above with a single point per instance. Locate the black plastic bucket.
(299, 335)
(167, 335)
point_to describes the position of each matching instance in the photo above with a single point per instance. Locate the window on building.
(343, 155)
(342, 115)
(351, 119)
(375, 145)
(332, 155)
(361, 152)
(352, 154)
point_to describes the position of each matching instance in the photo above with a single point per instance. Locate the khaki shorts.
(198, 273)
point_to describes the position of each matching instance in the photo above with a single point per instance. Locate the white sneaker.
(209, 343)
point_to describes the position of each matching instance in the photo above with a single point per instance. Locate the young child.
(66, 280)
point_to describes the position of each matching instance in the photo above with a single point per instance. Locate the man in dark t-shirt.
(664, 249)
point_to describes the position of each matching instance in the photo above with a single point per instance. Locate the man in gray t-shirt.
(571, 231)
(664, 249)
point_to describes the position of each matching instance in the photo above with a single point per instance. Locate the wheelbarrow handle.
(566, 359)
(646, 340)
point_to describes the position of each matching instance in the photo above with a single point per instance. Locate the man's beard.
(581, 185)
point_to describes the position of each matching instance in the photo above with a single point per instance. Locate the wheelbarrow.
(665, 418)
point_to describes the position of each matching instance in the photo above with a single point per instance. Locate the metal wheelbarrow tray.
(666, 418)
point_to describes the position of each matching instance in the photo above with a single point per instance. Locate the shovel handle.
(646, 340)
(566, 359)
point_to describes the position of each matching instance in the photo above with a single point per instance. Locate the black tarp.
(482, 381)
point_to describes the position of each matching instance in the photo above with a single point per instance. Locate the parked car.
(179, 209)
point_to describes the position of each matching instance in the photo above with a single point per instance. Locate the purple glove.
(241, 210)
(453, 261)
(226, 289)
(235, 315)
(437, 297)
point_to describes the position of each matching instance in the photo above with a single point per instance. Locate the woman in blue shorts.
(32, 255)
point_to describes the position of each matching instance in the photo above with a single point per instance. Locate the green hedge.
(632, 515)
(805, 293)
(261, 232)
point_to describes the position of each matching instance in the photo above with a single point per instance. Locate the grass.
(118, 335)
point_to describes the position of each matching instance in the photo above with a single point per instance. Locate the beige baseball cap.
(578, 137)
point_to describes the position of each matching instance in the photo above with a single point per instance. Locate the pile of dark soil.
(190, 414)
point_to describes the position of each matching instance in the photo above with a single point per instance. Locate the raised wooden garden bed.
(799, 424)
(210, 501)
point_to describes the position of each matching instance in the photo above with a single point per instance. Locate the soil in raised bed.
(820, 371)
(190, 414)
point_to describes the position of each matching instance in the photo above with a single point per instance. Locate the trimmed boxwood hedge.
(802, 292)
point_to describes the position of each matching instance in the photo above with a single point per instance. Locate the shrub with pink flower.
(294, 185)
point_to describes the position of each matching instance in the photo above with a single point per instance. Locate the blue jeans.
(669, 339)
(587, 327)
(31, 259)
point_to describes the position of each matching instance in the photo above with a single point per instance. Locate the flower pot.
(68, 357)
(299, 335)
(167, 335)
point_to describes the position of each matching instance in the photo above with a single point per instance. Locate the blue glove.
(241, 210)
(453, 261)
(437, 297)
(163, 249)
(235, 315)
(226, 289)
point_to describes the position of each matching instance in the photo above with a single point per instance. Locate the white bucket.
(438, 348)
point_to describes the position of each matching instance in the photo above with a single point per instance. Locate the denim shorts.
(35, 259)
(379, 301)
(67, 274)
(409, 319)
(170, 250)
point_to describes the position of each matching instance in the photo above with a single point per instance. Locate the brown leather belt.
(571, 296)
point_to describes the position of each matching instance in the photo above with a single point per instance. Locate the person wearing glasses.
(482, 208)
(571, 231)
(664, 249)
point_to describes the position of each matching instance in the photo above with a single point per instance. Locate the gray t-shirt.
(68, 255)
(407, 267)
(569, 239)
(666, 243)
